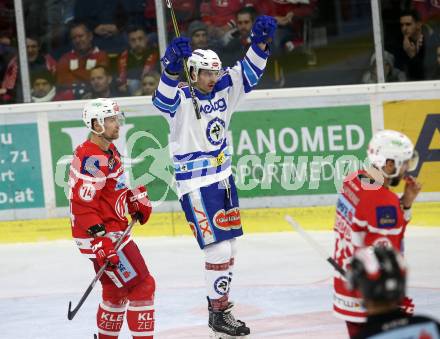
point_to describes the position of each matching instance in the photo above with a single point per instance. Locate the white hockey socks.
(217, 262)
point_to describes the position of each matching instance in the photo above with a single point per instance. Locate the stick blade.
(70, 314)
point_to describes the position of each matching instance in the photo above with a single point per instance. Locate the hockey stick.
(71, 313)
(185, 67)
(312, 242)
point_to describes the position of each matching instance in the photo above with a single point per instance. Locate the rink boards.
(263, 220)
(291, 148)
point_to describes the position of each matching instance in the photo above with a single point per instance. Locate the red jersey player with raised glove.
(368, 213)
(98, 199)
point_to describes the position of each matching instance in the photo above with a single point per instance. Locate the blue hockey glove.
(263, 29)
(178, 49)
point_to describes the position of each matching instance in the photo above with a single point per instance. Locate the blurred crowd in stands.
(81, 49)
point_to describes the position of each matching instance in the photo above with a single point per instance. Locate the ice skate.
(224, 325)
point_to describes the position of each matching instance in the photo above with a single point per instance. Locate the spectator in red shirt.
(140, 58)
(290, 16)
(73, 69)
(220, 13)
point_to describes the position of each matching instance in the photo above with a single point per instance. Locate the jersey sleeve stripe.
(86, 177)
(383, 231)
(168, 81)
(250, 74)
(360, 223)
(257, 56)
(166, 108)
(167, 100)
(166, 88)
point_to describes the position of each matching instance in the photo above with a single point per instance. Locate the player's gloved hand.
(178, 49)
(407, 306)
(139, 205)
(104, 249)
(263, 29)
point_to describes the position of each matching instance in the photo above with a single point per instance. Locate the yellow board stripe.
(174, 224)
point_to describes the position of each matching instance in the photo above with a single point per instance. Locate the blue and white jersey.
(200, 147)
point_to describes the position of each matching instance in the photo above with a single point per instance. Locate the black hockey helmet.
(379, 273)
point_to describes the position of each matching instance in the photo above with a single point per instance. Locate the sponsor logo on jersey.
(345, 208)
(90, 165)
(219, 105)
(343, 302)
(221, 285)
(203, 223)
(87, 192)
(227, 220)
(386, 216)
(193, 229)
(215, 131)
(124, 268)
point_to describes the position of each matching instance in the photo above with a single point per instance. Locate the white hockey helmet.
(100, 109)
(203, 59)
(392, 145)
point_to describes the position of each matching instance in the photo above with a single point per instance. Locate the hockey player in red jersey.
(98, 199)
(368, 213)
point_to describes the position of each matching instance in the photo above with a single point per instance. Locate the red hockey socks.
(141, 321)
(109, 320)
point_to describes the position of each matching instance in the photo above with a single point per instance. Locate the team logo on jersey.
(386, 216)
(87, 192)
(221, 285)
(219, 105)
(227, 220)
(215, 131)
(120, 205)
(111, 163)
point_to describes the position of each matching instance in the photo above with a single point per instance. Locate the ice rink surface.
(282, 288)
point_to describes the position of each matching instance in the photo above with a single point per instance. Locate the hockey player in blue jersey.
(202, 159)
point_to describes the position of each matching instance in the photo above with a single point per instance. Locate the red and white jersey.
(219, 12)
(98, 193)
(367, 214)
(300, 8)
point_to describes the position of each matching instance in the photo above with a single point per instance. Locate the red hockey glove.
(407, 306)
(139, 205)
(104, 249)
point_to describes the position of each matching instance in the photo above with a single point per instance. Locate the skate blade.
(218, 335)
